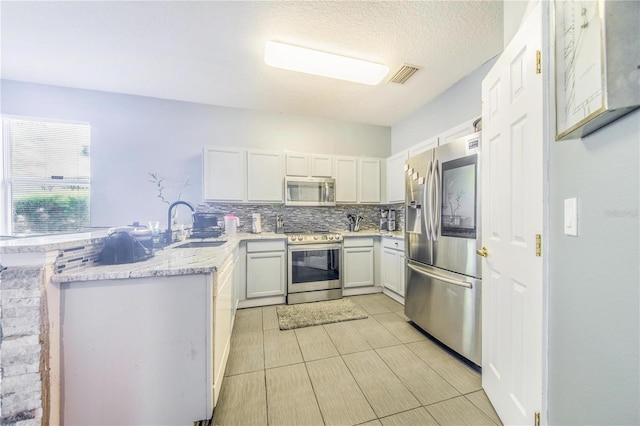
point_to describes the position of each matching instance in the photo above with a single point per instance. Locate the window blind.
(48, 176)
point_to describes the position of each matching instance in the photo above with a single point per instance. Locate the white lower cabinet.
(266, 268)
(148, 350)
(358, 264)
(393, 265)
(224, 306)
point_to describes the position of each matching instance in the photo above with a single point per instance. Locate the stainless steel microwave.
(309, 191)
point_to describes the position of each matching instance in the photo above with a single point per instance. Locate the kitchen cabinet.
(265, 176)
(395, 177)
(369, 182)
(222, 324)
(456, 132)
(358, 262)
(266, 268)
(423, 146)
(149, 350)
(346, 179)
(224, 174)
(309, 165)
(321, 165)
(393, 265)
(358, 180)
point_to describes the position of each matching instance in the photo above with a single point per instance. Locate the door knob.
(483, 252)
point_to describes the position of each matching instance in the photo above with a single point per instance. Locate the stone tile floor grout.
(469, 377)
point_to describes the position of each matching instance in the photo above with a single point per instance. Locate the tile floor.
(376, 371)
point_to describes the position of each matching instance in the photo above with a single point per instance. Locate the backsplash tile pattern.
(78, 257)
(306, 218)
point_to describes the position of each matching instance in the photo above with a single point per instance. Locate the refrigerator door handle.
(435, 221)
(427, 202)
(438, 277)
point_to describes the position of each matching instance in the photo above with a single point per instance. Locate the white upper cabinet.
(346, 179)
(265, 176)
(395, 177)
(321, 165)
(358, 180)
(370, 177)
(297, 164)
(456, 132)
(423, 146)
(309, 165)
(224, 174)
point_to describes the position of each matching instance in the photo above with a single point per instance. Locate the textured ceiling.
(212, 52)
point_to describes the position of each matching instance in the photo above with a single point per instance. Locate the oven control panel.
(314, 238)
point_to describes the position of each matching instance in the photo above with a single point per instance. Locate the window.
(46, 176)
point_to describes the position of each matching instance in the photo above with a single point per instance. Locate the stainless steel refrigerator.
(442, 234)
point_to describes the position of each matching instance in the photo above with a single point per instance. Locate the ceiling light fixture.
(324, 64)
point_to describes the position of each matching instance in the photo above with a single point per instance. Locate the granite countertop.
(372, 233)
(44, 243)
(167, 262)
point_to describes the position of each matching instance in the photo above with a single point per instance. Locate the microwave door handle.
(438, 276)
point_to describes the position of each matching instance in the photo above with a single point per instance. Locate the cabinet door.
(224, 174)
(346, 180)
(369, 183)
(456, 132)
(395, 177)
(423, 146)
(297, 164)
(390, 273)
(264, 176)
(266, 274)
(223, 308)
(401, 283)
(358, 267)
(321, 165)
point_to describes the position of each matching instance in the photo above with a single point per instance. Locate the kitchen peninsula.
(114, 336)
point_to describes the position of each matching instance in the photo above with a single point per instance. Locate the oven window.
(315, 265)
(459, 198)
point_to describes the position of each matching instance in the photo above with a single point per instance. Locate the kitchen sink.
(200, 244)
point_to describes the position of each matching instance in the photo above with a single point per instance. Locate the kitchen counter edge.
(167, 262)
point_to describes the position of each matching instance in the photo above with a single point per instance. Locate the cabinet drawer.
(393, 243)
(358, 242)
(259, 246)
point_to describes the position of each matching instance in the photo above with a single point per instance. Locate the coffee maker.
(387, 220)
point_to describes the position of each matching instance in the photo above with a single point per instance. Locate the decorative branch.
(161, 187)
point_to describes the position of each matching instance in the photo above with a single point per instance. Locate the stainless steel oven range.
(314, 266)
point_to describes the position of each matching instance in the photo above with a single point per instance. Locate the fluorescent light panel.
(324, 64)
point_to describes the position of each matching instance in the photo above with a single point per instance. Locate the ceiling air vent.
(404, 73)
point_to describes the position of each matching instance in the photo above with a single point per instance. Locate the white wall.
(594, 282)
(133, 135)
(460, 103)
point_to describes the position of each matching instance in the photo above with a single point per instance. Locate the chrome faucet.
(169, 235)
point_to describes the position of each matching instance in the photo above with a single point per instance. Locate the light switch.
(571, 216)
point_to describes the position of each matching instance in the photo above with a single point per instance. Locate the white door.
(512, 215)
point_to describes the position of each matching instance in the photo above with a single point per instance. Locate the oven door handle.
(309, 247)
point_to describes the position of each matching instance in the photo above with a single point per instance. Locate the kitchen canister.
(231, 223)
(256, 227)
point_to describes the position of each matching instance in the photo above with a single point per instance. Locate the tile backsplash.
(306, 218)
